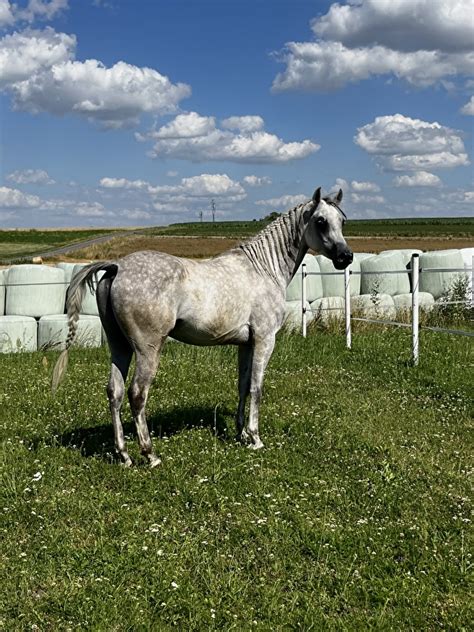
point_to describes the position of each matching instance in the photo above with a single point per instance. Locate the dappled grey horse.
(237, 297)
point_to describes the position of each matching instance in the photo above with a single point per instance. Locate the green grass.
(454, 226)
(355, 516)
(19, 243)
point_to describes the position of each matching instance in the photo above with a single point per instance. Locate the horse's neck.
(279, 249)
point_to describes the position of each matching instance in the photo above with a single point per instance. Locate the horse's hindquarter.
(224, 300)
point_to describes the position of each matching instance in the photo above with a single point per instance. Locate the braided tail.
(76, 292)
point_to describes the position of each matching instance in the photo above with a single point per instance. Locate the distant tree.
(271, 216)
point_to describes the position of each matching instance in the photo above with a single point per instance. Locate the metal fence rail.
(414, 271)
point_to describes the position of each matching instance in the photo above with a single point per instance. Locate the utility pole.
(213, 207)
(200, 215)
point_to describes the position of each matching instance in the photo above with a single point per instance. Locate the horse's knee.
(136, 396)
(115, 393)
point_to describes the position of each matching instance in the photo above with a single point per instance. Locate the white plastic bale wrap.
(293, 315)
(403, 302)
(406, 253)
(381, 283)
(360, 256)
(17, 333)
(89, 303)
(379, 306)
(328, 308)
(314, 286)
(439, 284)
(333, 285)
(53, 331)
(35, 290)
(467, 255)
(68, 270)
(3, 280)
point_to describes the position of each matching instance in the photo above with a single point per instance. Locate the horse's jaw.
(302, 250)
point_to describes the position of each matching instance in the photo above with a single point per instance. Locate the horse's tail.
(75, 297)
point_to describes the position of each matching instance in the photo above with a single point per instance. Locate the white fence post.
(415, 307)
(347, 306)
(303, 300)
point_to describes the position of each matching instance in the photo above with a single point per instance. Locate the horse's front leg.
(262, 351)
(245, 368)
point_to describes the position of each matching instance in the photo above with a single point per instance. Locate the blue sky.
(121, 112)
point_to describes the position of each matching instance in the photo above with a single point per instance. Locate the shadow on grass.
(98, 441)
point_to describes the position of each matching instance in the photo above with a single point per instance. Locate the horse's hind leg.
(121, 355)
(146, 366)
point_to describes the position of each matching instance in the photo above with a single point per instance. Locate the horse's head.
(323, 231)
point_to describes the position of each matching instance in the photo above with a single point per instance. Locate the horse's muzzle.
(343, 258)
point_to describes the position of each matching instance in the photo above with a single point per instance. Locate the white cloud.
(468, 108)
(285, 201)
(123, 183)
(325, 66)
(39, 9)
(421, 41)
(30, 176)
(6, 15)
(38, 69)
(13, 198)
(197, 138)
(401, 143)
(370, 187)
(399, 24)
(358, 198)
(418, 179)
(256, 181)
(29, 53)
(136, 213)
(91, 209)
(244, 124)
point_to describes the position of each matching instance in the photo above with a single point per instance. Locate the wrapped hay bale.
(17, 333)
(3, 281)
(53, 331)
(333, 285)
(467, 255)
(441, 283)
(360, 256)
(314, 286)
(293, 316)
(68, 270)
(379, 306)
(89, 303)
(403, 302)
(406, 254)
(35, 290)
(374, 281)
(328, 308)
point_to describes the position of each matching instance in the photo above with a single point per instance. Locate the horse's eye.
(321, 222)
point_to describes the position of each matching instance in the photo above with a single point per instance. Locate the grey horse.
(237, 297)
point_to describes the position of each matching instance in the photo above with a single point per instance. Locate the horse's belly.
(199, 334)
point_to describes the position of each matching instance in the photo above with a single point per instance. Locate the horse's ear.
(317, 196)
(339, 196)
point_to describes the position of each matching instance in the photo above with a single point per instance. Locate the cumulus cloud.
(6, 14)
(30, 176)
(468, 108)
(92, 209)
(13, 198)
(35, 9)
(421, 41)
(198, 138)
(401, 143)
(418, 179)
(256, 181)
(39, 70)
(243, 123)
(359, 187)
(359, 198)
(285, 201)
(30, 53)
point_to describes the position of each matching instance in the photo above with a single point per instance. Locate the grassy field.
(20, 243)
(355, 516)
(196, 239)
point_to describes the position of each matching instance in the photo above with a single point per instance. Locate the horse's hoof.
(154, 461)
(127, 462)
(258, 445)
(243, 437)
